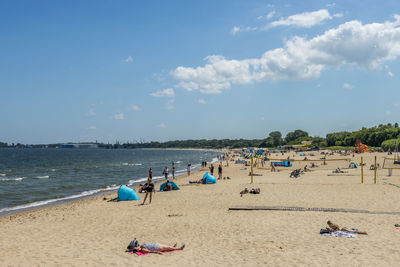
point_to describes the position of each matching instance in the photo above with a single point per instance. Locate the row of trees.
(384, 136)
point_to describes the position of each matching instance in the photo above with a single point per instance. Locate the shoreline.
(94, 231)
(68, 199)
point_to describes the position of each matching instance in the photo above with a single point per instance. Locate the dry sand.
(95, 232)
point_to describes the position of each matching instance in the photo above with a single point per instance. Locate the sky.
(128, 71)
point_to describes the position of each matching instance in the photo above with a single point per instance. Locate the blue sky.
(167, 70)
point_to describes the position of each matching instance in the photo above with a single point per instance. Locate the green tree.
(276, 137)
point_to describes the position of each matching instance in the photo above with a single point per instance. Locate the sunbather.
(334, 227)
(152, 247)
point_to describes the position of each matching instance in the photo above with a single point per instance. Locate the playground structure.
(360, 147)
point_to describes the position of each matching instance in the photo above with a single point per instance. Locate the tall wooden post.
(251, 169)
(362, 170)
(375, 171)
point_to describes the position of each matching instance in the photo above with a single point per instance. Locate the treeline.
(385, 136)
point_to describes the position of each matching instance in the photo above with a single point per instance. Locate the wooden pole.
(251, 169)
(362, 171)
(375, 171)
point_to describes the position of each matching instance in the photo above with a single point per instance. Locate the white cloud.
(262, 118)
(235, 30)
(390, 74)
(396, 104)
(347, 86)
(270, 14)
(367, 46)
(92, 128)
(202, 101)
(162, 125)
(306, 19)
(119, 116)
(338, 15)
(135, 107)
(331, 5)
(170, 104)
(128, 59)
(169, 92)
(388, 113)
(91, 112)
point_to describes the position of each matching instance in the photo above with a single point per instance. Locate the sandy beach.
(96, 232)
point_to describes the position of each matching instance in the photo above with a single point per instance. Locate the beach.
(96, 232)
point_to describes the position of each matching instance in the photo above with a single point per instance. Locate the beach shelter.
(302, 154)
(209, 179)
(127, 193)
(174, 186)
(353, 165)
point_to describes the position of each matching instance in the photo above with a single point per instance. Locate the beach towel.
(341, 234)
(142, 254)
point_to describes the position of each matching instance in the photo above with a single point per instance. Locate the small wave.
(42, 177)
(178, 161)
(2, 174)
(12, 179)
(130, 164)
(53, 170)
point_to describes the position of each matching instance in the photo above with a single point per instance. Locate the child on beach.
(165, 172)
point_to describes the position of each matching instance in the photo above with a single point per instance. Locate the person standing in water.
(188, 169)
(173, 172)
(150, 173)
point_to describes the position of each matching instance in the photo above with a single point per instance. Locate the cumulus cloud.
(128, 59)
(202, 101)
(119, 116)
(306, 19)
(365, 45)
(169, 92)
(135, 107)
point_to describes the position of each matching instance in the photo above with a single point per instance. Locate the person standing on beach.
(149, 188)
(188, 169)
(212, 169)
(165, 172)
(150, 173)
(173, 172)
(220, 171)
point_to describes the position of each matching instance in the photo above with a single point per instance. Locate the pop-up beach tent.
(174, 186)
(126, 193)
(209, 179)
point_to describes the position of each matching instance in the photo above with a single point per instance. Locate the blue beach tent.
(174, 186)
(126, 193)
(209, 179)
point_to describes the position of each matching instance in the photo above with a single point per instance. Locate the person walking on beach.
(220, 171)
(150, 173)
(149, 188)
(165, 172)
(173, 172)
(188, 169)
(212, 169)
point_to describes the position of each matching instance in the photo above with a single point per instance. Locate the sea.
(32, 178)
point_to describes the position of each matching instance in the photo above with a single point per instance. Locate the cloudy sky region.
(166, 70)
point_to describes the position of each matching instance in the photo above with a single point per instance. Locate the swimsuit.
(151, 246)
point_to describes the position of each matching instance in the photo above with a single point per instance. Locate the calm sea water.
(35, 177)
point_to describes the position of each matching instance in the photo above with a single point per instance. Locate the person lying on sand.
(334, 227)
(152, 247)
(252, 191)
(338, 170)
